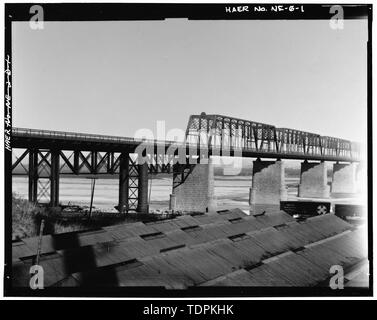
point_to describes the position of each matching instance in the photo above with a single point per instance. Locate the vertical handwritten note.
(8, 105)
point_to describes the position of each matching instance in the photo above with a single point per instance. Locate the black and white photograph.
(187, 150)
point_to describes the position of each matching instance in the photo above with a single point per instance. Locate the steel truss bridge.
(45, 155)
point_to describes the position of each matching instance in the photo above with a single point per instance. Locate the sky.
(117, 77)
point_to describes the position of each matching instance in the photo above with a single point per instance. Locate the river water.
(230, 191)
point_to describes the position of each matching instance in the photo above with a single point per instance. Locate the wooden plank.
(239, 278)
(110, 253)
(330, 253)
(208, 218)
(272, 241)
(328, 225)
(250, 248)
(129, 230)
(297, 270)
(185, 221)
(231, 214)
(48, 244)
(89, 238)
(181, 237)
(163, 226)
(264, 276)
(137, 247)
(270, 220)
(181, 261)
(21, 250)
(233, 257)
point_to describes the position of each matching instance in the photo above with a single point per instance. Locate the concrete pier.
(313, 180)
(343, 179)
(212, 203)
(196, 192)
(268, 185)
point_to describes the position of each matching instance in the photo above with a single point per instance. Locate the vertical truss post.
(110, 163)
(142, 205)
(123, 182)
(94, 163)
(222, 135)
(133, 184)
(76, 161)
(33, 175)
(54, 178)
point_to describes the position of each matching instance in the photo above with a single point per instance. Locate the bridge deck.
(46, 139)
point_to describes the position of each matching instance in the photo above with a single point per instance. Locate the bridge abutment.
(343, 179)
(313, 180)
(268, 183)
(193, 188)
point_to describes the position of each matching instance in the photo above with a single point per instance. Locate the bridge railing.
(51, 134)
